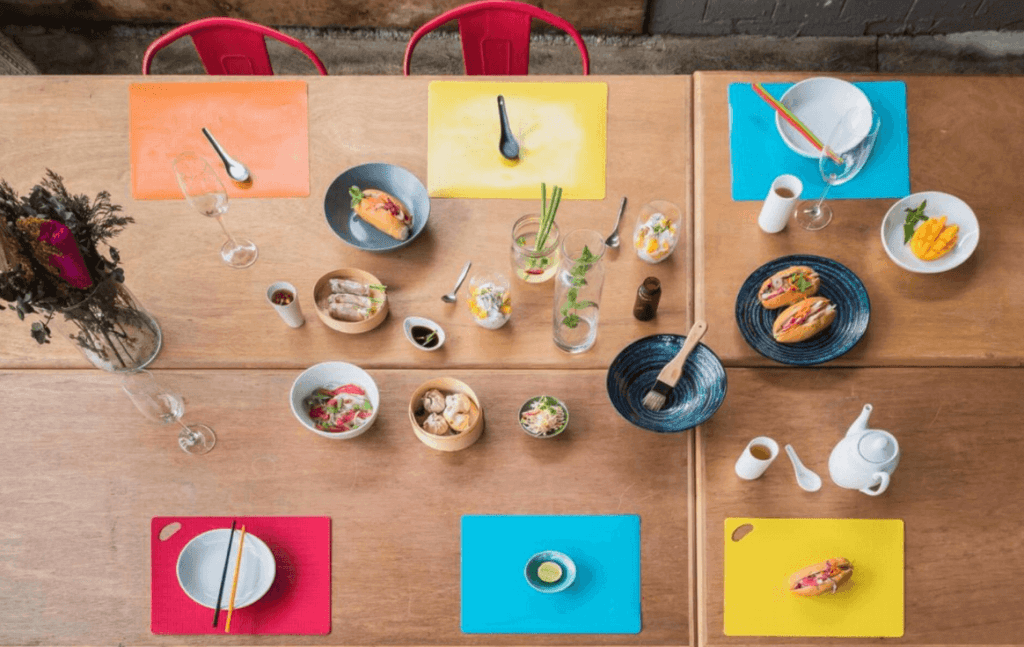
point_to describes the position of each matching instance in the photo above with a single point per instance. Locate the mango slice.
(933, 239)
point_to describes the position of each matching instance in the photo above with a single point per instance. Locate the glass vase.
(111, 328)
(529, 263)
(578, 285)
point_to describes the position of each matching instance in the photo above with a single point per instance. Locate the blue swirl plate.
(696, 397)
(389, 178)
(838, 284)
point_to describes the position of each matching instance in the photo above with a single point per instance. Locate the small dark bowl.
(392, 179)
(696, 397)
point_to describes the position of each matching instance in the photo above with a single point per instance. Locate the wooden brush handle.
(674, 369)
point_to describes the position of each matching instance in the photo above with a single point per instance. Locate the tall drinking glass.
(578, 285)
(205, 192)
(158, 404)
(845, 152)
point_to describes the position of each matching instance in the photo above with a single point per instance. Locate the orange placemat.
(263, 124)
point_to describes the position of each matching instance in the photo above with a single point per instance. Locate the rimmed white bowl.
(940, 204)
(201, 565)
(331, 375)
(820, 102)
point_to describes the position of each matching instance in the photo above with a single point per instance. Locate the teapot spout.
(861, 423)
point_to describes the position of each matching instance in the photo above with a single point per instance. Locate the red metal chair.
(229, 46)
(496, 36)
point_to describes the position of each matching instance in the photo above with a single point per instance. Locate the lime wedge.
(549, 572)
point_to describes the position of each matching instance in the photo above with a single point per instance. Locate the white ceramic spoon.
(805, 478)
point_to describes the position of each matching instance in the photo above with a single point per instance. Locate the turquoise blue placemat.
(605, 598)
(758, 155)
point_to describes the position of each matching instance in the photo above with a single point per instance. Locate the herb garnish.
(914, 216)
(802, 284)
(579, 272)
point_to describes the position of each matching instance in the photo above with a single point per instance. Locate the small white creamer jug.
(865, 458)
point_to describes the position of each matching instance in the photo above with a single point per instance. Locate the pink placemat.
(298, 602)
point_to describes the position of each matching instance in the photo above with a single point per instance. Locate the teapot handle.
(883, 484)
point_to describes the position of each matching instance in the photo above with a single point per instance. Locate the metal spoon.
(805, 478)
(508, 145)
(236, 170)
(613, 238)
(450, 297)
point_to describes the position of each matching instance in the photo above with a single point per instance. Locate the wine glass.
(843, 156)
(158, 404)
(205, 192)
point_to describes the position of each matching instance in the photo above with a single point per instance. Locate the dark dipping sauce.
(420, 334)
(282, 297)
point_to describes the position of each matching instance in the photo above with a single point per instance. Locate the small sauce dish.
(550, 571)
(423, 333)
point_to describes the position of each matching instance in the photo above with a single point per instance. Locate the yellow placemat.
(757, 568)
(561, 129)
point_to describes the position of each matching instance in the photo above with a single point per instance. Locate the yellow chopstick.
(234, 583)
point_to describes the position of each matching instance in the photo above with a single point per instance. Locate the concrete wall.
(671, 17)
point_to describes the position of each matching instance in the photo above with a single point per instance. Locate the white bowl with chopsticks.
(201, 567)
(819, 103)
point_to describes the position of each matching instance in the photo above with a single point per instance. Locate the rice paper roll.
(351, 299)
(348, 286)
(347, 312)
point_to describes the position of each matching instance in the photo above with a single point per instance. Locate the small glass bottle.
(647, 297)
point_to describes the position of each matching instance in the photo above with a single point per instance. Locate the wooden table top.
(74, 561)
(955, 488)
(78, 127)
(964, 140)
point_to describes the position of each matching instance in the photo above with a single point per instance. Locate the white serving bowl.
(939, 204)
(330, 375)
(201, 565)
(820, 103)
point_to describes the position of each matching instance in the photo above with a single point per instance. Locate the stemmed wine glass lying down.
(158, 404)
(845, 152)
(205, 192)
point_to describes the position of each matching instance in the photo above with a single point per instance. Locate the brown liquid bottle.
(647, 297)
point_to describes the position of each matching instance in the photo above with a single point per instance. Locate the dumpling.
(460, 421)
(433, 401)
(459, 411)
(435, 424)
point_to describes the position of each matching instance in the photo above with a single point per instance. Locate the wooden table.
(964, 140)
(82, 472)
(958, 426)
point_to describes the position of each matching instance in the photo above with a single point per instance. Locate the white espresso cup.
(290, 312)
(756, 457)
(779, 204)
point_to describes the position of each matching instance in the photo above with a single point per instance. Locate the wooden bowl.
(323, 288)
(451, 442)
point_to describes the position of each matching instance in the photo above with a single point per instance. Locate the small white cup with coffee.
(756, 457)
(779, 205)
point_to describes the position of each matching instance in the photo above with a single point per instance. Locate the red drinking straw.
(790, 118)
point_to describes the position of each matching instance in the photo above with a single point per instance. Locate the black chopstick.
(224, 575)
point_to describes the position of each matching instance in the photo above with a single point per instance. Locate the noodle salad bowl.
(353, 409)
(543, 416)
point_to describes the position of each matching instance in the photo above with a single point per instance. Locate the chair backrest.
(229, 46)
(495, 36)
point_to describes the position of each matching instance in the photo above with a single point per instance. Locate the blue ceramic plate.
(838, 284)
(696, 397)
(385, 177)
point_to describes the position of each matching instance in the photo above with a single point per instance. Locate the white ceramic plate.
(201, 564)
(820, 103)
(939, 204)
(331, 375)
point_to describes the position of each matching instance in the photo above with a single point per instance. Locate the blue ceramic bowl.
(699, 393)
(564, 562)
(384, 177)
(838, 284)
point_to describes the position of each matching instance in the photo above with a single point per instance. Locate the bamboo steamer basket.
(451, 442)
(322, 290)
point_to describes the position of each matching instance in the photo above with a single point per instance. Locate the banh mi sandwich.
(821, 577)
(382, 210)
(803, 320)
(788, 286)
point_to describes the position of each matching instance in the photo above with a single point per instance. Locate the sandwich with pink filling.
(803, 320)
(788, 286)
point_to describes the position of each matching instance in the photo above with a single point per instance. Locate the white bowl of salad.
(335, 400)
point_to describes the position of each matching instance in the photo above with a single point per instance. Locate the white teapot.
(864, 459)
